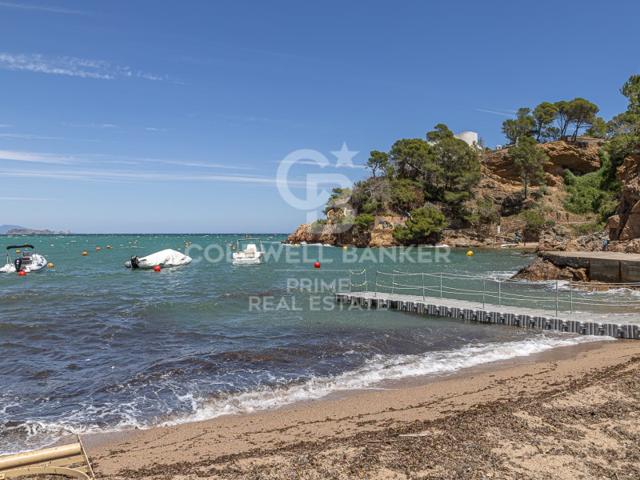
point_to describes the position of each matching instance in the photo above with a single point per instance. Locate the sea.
(91, 346)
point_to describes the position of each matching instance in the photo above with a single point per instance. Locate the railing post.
(557, 297)
(375, 286)
(366, 284)
(423, 295)
(393, 283)
(570, 298)
(350, 282)
(441, 287)
(484, 287)
(499, 292)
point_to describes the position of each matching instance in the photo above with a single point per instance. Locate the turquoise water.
(92, 346)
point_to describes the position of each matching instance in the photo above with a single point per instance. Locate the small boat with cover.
(251, 255)
(163, 259)
(29, 261)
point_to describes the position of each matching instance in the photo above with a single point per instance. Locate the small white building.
(468, 137)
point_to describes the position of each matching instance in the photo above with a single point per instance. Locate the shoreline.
(265, 444)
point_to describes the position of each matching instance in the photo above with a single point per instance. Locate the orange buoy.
(22, 273)
(316, 265)
(85, 253)
(157, 268)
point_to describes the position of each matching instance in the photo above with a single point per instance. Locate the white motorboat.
(251, 255)
(163, 259)
(29, 261)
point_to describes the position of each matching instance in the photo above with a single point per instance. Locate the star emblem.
(344, 156)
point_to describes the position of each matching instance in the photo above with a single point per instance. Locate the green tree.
(459, 168)
(582, 113)
(413, 158)
(543, 116)
(521, 126)
(378, 161)
(598, 128)
(424, 225)
(631, 90)
(440, 132)
(563, 117)
(363, 222)
(529, 160)
(371, 195)
(406, 195)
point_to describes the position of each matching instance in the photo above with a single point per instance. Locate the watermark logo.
(316, 186)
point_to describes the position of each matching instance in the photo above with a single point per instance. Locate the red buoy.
(22, 273)
(316, 265)
(157, 268)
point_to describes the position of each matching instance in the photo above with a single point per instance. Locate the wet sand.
(570, 413)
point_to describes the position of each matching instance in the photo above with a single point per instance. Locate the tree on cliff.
(582, 113)
(460, 170)
(521, 126)
(439, 132)
(413, 158)
(631, 90)
(563, 117)
(423, 226)
(529, 160)
(543, 116)
(378, 161)
(598, 129)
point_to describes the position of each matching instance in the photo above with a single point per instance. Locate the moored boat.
(251, 255)
(27, 260)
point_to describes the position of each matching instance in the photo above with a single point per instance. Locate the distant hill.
(18, 230)
(5, 228)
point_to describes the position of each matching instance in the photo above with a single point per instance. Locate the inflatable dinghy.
(28, 262)
(163, 258)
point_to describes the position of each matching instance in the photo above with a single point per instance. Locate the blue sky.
(154, 116)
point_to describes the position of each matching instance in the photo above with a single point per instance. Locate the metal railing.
(558, 295)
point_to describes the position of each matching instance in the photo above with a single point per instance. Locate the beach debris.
(69, 461)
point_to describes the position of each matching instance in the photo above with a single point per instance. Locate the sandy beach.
(569, 413)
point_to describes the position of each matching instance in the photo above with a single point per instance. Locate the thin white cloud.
(121, 176)
(5, 125)
(72, 67)
(31, 136)
(155, 129)
(31, 157)
(25, 199)
(90, 125)
(93, 158)
(40, 8)
(503, 113)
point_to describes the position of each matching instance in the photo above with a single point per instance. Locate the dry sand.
(570, 414)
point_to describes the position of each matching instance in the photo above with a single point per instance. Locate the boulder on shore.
(541, 269)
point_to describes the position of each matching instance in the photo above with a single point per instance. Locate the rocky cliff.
(625, 225)
(500, 184)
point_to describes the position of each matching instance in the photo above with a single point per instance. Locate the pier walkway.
(560, 306)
